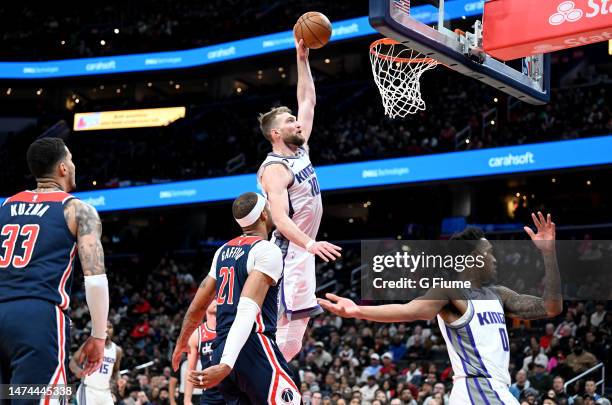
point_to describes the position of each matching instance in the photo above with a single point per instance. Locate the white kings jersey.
(305, 205)
(101, 378)
(478, 345)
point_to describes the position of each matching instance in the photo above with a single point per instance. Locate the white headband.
(255, 213)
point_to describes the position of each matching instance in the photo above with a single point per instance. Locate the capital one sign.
(518, 28)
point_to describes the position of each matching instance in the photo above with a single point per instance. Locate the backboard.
(461, 51)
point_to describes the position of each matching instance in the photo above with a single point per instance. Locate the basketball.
(314, 28)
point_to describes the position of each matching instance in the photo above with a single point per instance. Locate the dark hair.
(43, 154)
(467, 240)
(244, 204)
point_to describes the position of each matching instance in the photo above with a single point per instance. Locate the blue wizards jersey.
(231, 266)
(37, 249)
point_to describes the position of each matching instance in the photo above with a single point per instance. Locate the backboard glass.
(462, 52)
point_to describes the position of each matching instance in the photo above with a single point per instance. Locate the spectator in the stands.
(580, 360)
(559, 390)
(368, 391)
(548, 337)
(388, 366)
(521, 384)
(322, 358)
(373, 369)
(535, 357)
(540, 379)
(398, 348)
(599, 315)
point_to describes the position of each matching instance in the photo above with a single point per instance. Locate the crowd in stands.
(36, 33)
(345, 361)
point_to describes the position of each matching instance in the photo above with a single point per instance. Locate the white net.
(397, 72)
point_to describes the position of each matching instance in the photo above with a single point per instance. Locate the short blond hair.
(267, 120)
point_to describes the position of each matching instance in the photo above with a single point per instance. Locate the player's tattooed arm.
(85, 221)
(520, 305)
(551, 303)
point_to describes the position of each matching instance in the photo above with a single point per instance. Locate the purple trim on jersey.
(473, 343)
(476, 352)
(466, 373)
(467, 386)
(481, 392)
(462, 324)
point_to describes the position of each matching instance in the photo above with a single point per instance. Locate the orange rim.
(389, 42)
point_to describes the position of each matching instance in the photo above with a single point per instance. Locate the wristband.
(310, 244)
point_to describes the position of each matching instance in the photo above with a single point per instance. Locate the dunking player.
(291, 186)
(95, 389)
(473, 326)
(249, 368)
(200, 354)
(40, 232)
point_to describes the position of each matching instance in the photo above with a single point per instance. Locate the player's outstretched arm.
(422, 309)
(306, 95)
(551, 304)
(84, 221)
(275, 181)
(193, 317)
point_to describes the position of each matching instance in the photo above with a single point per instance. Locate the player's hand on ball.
(325, 250)
(177, 355)
(544, 239)
(210, 377)
(91, 355)
(302, 50)
(343, 307)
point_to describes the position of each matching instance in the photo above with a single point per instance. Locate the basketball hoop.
(397, 72)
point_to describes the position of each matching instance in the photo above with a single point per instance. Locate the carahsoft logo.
(566, 11)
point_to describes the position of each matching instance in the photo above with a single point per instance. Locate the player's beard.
(294, 139)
